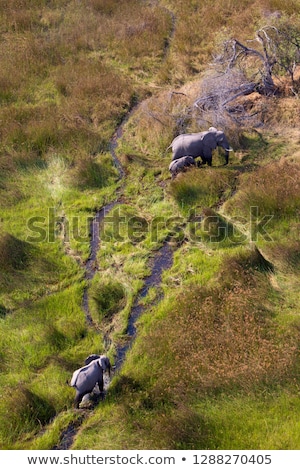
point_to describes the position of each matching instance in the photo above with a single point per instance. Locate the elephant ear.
(104, 363)
(220, 136)
(209, 140)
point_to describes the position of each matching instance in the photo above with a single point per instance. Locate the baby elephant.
(180, 164)
(85, 378)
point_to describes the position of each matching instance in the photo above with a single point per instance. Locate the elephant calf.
(85, 378)
(180, 164)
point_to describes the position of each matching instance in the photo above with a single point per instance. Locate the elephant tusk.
(229, 150)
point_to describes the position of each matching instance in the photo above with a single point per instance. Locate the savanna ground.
(216, 362)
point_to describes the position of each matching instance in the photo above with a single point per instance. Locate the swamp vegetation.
(92, 93)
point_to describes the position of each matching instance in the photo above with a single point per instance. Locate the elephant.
(85, 378)
(200, 144)
(180, 164)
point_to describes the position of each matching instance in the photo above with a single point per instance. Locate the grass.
(215, 364)
(197, 384)
(201, 188)
(268, 199)
(107, 298)
(253, 422)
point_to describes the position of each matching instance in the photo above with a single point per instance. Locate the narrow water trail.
(91, 266)
(162, 260)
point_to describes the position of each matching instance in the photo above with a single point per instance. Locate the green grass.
(202, 188)
(253, 422)
(215, 364)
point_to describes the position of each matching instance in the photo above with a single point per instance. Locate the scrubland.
(215, 364)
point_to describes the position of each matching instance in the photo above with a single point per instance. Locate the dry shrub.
(30, 132)
(284, 112)
(9, 192)
(136, 35)
(285, 255)
(107, 7)
(221, 338)
(94, 92)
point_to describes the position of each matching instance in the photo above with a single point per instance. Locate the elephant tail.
(167, 149)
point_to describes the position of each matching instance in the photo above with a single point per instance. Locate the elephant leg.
(207, 157)
(78, 397)
(101, 384)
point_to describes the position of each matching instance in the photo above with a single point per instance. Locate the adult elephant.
(200, 144)
(85, 378)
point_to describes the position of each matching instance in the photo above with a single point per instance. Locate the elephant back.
(188, 144)
(85, 378)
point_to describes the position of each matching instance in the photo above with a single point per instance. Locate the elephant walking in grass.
(180, 164)
(200, 144)
(85, 378)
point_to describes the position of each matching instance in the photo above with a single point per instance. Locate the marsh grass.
(107, 297)
(272, 191)
(22, 412)
(44, 337)
(14, 253)
(202, 187)
(69, 73)
(91, 172)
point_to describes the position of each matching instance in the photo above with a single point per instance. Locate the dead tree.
(243, 68)
(257, 65)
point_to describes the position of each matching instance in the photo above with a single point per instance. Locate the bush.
(107, 298)
(285, 255)
(202, 187)
(14, 253)
(220, 339)
(22, 411)
(272, 190)
(91, 172)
